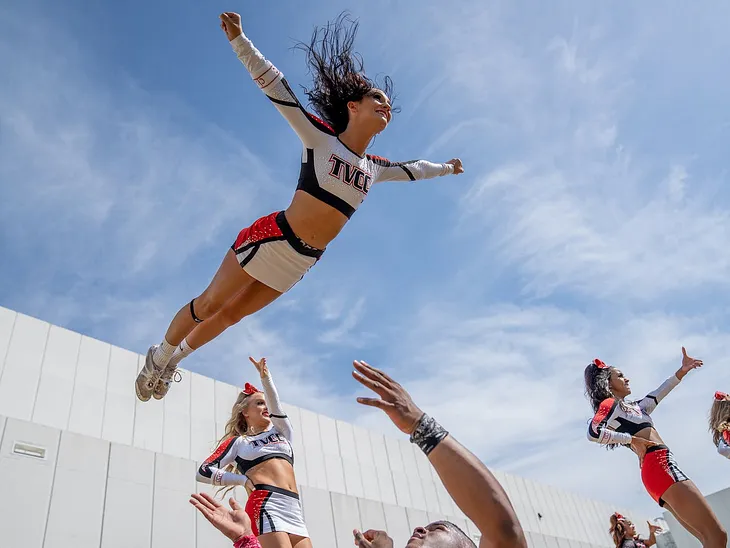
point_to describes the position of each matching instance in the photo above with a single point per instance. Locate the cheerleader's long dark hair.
(337, 71)
(597, 378)
(597, 384)
(618, 529)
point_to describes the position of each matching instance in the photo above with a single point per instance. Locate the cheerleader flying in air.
(618, 421)
(276, 251)
(720, 423)
(256, 452)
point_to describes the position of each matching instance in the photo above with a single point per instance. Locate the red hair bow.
(249, 389)
(618, 516)
(599, 364)
(720, 396)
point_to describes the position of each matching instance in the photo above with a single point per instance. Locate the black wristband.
(428, 434)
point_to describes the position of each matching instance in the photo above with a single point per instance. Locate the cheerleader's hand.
(233, 523)
(458, 168)
(688, 364)
(394, 399)
(260, 366)
(372, 539)
(231, 24)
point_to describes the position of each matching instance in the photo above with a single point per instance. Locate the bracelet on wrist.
(246, 541)
(428, 434)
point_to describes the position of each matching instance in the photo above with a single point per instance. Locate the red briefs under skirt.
(273, 509)
(270, 252)
(659, 472)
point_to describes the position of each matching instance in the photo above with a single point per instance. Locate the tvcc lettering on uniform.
(350, 175)
(271, 438)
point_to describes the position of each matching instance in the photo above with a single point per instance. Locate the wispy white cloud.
(331, 308)
(346, 324)
(676, 183)
(577, 207)
(560, 235)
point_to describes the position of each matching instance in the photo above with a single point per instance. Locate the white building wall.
(124, 469)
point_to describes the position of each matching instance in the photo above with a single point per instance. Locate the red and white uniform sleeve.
(723, 446)
(276, 412)
(649, 402)
(310, 129)
(211, 471)
(413, 170)
(599, 432)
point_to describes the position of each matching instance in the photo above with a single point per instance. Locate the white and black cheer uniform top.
(330, 171)
(249, 451)
(616, 421)
(723, 445)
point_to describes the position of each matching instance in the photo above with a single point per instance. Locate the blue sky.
(592, 219)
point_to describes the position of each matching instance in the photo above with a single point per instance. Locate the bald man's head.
(440, 534)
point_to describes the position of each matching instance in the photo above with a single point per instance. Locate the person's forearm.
(477, 493)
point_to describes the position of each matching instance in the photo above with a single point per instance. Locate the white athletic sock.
(181, 352)
(163, 353)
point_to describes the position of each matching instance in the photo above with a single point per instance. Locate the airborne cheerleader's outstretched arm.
(413, 170)
(310, 129)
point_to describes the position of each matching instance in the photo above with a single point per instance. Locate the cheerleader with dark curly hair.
(619, 421)
(276, 251)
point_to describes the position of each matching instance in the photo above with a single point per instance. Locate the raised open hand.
(394, 400)
(260, 366)
(653, 529)
(688, 364)
(233, 523)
